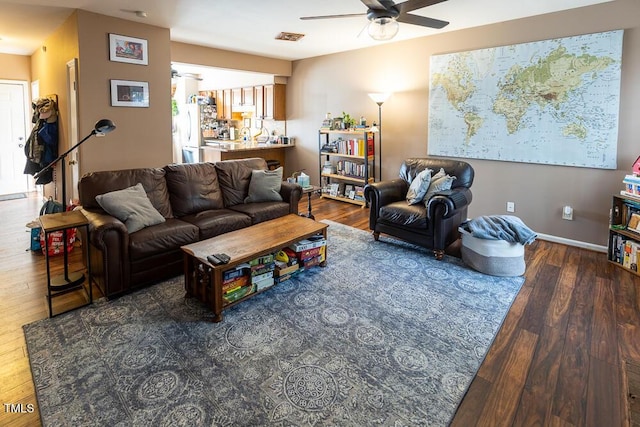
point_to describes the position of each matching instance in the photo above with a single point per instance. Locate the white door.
(13, 135)
(72, 78)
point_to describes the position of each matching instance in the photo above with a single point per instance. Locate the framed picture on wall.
(128, 93)
(128, 49)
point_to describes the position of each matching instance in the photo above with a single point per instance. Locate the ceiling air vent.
(290, 37)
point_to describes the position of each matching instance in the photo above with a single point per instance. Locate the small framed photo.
(337, 123)
(128, 93)
(128, 49)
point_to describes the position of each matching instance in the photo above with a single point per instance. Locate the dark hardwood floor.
(558, 359)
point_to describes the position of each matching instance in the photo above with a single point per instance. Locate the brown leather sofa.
(198, 201)
(432, 224)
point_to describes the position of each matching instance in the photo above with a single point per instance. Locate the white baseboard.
(570, 242)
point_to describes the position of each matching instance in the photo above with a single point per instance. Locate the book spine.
(263, 268)
(257, 278)
(312, 262)
(264, 283)
(310, 253)
(235, 272)
(265, 259)
(235, 283)
(304, 245)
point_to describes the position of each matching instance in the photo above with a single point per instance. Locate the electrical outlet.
(567, 213)
(511, 207)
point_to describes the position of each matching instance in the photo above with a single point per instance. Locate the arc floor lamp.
(380, 98)
(101, 127)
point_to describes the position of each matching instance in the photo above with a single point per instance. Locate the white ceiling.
(250, 26)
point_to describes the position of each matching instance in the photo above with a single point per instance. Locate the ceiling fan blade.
(423, 21)
(362, 30)
(374, 4)
(410, 5)
(346, 15)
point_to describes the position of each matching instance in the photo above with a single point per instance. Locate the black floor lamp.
(102, 127)
(380, 98)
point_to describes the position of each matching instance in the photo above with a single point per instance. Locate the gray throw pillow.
(265, 186)
(419, 187)
(131, 206)
(438, 184)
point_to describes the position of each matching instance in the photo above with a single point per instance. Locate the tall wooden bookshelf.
(346, 164)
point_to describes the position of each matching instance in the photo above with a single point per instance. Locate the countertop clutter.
(238, 145)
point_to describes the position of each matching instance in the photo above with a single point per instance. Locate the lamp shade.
(104, 126)
(379, 97)
(383, 28)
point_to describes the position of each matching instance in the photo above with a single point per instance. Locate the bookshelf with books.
(624, 232)
(347, 163)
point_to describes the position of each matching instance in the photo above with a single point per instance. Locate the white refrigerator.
(192, 119)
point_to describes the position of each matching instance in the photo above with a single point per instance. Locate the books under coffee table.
(205, 280)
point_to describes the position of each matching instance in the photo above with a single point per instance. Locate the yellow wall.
(49, 68)
(143, 135)
(15, 67)
(340, 82)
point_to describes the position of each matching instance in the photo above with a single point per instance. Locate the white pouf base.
(493, 257)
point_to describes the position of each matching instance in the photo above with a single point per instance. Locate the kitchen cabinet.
(220, 103)
(270, 101)
(223, 101)
(236, 97)
(258, 93)
(247, 96)
(242, 96)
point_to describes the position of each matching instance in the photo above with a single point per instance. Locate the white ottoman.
(493, 257)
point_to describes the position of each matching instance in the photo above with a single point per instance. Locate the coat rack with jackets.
(42, 145)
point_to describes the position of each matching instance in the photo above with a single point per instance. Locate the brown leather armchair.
(432, 224)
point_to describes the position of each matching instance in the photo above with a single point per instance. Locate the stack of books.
(625, 252)
(262, 272)
(236, 283)
(310, 252)
(631, 186)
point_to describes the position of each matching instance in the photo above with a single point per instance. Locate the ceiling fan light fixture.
(383, 28)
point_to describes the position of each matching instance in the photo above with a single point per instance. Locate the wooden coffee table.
(204, 280)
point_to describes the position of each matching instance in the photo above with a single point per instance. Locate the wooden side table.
(309, 191)
(68, 282)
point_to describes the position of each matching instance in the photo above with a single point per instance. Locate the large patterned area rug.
(384, 335)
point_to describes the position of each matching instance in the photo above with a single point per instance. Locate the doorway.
(13, 135)
(72, 93)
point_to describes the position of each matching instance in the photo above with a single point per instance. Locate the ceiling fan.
(384, 16)
(176, 74)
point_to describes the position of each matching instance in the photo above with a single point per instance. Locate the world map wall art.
(551, 102)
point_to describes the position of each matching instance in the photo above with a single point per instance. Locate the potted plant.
(348, 121)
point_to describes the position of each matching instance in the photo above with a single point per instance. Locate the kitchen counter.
(238, 145)
(216, 150)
